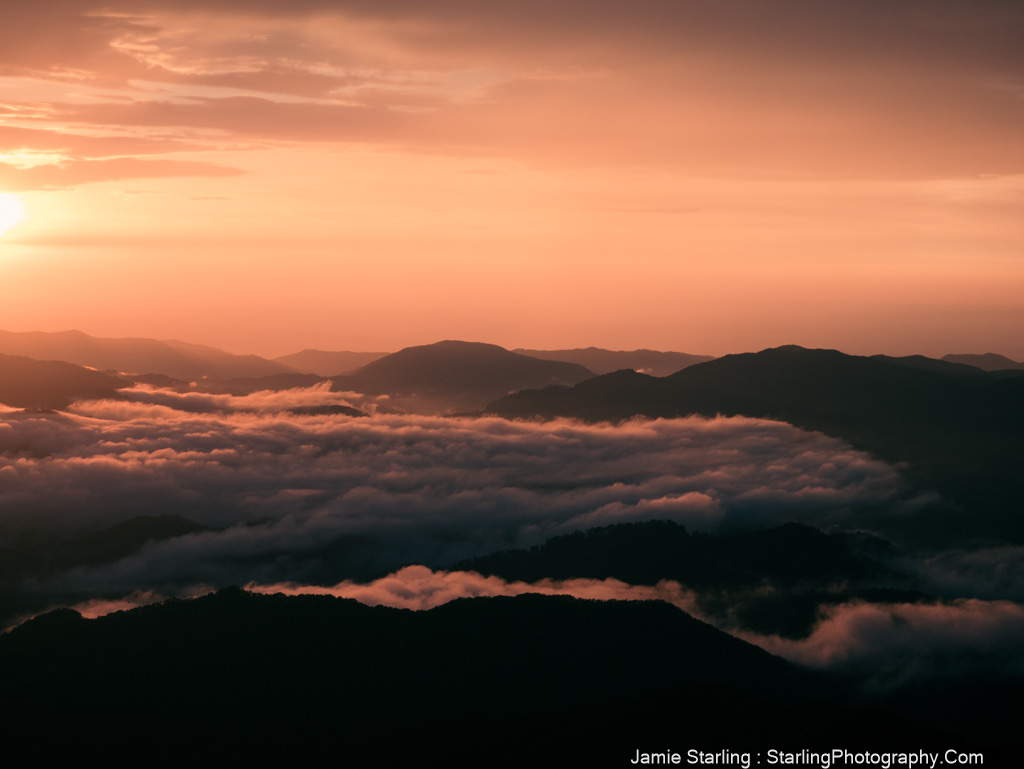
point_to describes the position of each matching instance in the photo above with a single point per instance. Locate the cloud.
(886, 645)
(983, 572)
(321, 498)
(75, 172)
(136, 401)
(793, 88)
(30, 143)
(419, 588)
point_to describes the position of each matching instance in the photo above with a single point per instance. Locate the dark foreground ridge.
(275, 680)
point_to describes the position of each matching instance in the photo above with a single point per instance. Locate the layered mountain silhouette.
(453, 375)
(962, 430)
(532, 680)
(50, 384)
(172, 358)
(600, 361)
(326, 363)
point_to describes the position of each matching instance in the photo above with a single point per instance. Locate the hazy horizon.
(934, 350)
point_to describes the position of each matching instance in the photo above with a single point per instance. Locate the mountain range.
(172, 358)
(961, 428)
(33, 384)
(874, 627)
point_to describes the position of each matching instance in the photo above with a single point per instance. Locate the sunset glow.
(703, 177)
(12, 212)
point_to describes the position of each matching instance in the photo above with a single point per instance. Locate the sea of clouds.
(378, 507)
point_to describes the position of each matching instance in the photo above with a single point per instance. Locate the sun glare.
(12, 211)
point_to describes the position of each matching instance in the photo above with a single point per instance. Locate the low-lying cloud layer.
(326, 497)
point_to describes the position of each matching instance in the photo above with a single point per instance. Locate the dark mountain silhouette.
(49, 384)
(931, 364)
(644, 553)
(602, 361)
(275, 679)
(138, 356)
(29, 556)
(327, 363)
(453, 375)
(960, 432)
(773, 581)
(988, 361)
(39, 554)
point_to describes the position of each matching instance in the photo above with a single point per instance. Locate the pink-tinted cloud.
(889, 644)
(419, 588)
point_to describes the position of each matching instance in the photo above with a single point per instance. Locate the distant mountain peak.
(453, 374)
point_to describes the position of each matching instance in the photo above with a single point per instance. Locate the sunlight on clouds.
(30, 159)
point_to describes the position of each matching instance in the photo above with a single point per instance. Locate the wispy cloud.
(720, 88)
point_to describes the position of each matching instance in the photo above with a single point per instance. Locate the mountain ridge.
(961, 433)
(137, 355)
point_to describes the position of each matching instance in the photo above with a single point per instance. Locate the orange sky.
(708, 177)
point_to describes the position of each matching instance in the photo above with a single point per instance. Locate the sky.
(344, 174)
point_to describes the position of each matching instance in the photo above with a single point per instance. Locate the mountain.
(326, 363)
(50, 384)
(243, 678)
(136, 355)
(602, 361)
(817, 389)
(989, 361)
(960, 432)
(775, 582)
(260, 678)
(452, 375)
(943, 366)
